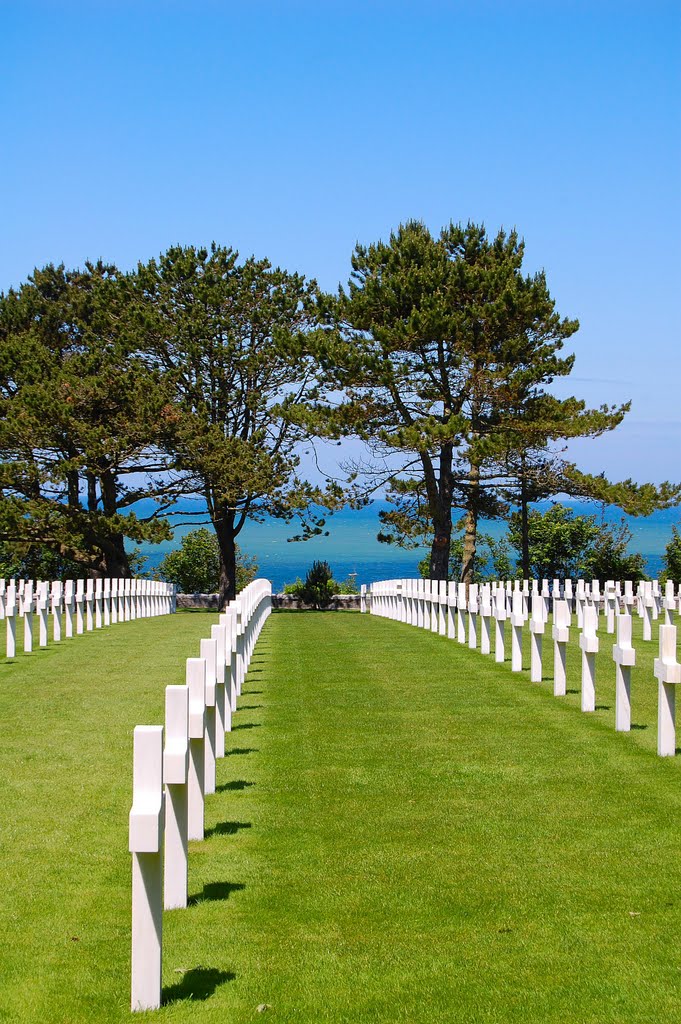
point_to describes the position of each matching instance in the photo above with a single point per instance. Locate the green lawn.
(403, 831)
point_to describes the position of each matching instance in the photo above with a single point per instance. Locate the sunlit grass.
(403, 831)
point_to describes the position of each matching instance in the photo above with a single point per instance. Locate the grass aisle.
(414, 834)
(403, 831)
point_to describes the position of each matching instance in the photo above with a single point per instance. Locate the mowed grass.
(403, 831)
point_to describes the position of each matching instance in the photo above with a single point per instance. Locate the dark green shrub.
(319, 586)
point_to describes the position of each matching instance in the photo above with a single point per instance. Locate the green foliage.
(194, 567)
(671, 559)
(346, 586)
(444, 348)
(79, 415)
(609, 558)
(294, 589)
(230, 338)
(564, 545)
(318, 588)
(492, 562)
(34, 562)
(320, 576)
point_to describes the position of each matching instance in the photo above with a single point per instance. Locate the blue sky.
(294, 129)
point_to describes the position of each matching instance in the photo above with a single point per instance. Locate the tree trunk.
(224, 530)
(439, 552)
(115, 557)
(440, 497)
(471, 534)
(524, 527)
(91, 492)
(73, 495)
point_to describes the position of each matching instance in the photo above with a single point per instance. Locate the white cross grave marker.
(589, 643)
(561, 634)
(227, 620)
(80, 598)
(98, 602)
(145, 844)
(435, 614)
(537, 627)
(485, 618)
(196, 680)
(451, 609)
(27, 599)
(668, 675)
(499, 623)
(89, 605)
(669, 603)
(56, 595)
(473, 608)
(648, 602)
(461, 603)
(209, 653)
(624, 656)
(219, 634)
(610, 606)
(43, 610)
(518, 619)
(11, 616)
(175, 774)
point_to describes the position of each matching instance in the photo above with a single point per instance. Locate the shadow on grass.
(236, 784)
(197, 984)
(226, 828)
(636, 726)
(251, 693)
(602, 707)
(198, 611)
(250, 707)
(241, 750)
(246, 725)
(214, 892)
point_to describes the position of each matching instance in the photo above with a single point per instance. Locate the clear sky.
(294, 129)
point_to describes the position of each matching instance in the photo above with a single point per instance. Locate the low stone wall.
(286, 602)
(209, 601)
(340, 603)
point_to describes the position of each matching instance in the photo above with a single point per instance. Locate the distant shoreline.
(352, 547)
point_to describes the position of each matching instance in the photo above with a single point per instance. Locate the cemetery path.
(403, 830)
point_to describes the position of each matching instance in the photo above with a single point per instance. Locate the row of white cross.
(77, 606)
(447, 609)
(169, 785)
(616, 598)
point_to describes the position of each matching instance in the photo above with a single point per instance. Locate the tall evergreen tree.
(79, 417)
(231, 340)
(444, 349)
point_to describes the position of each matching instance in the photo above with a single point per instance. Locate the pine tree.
(79, 415)
(230, 338)
(444, 349)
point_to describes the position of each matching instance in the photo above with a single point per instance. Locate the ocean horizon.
(351, 548)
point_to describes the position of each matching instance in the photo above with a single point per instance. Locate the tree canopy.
(230, 340)
(443, 349)
(79, 414)
(201, 375)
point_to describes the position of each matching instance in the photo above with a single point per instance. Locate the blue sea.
(352, 548)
